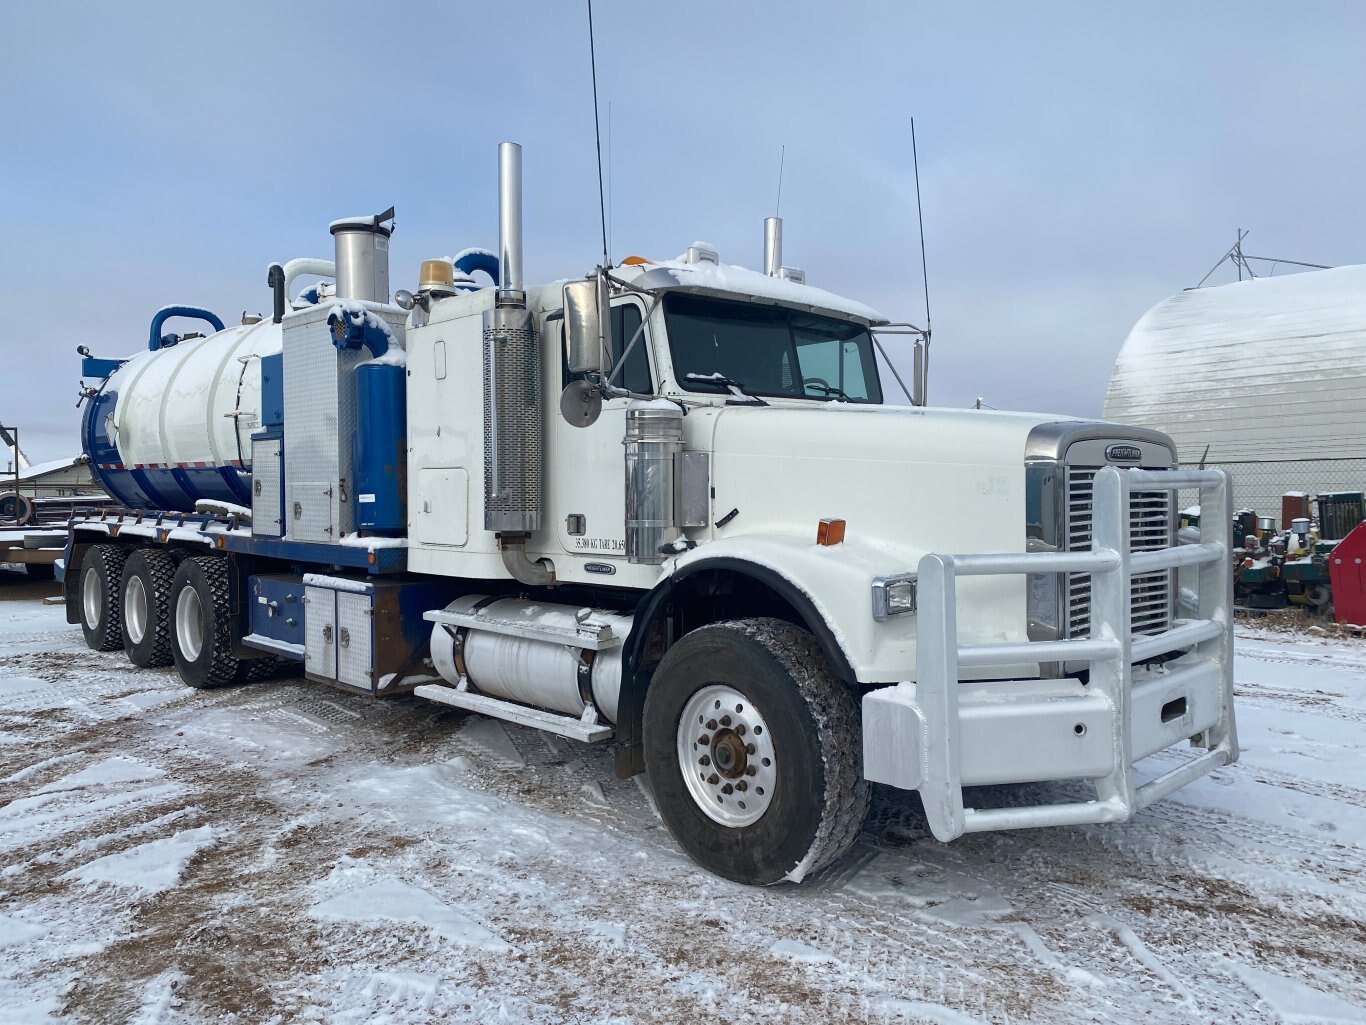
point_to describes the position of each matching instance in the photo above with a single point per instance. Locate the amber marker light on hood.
(830, 532)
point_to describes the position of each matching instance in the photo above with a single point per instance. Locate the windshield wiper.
(827, 389)
(737, 389)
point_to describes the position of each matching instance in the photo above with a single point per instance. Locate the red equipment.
(1347, 571)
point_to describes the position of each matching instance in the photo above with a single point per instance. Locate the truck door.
(590, 475)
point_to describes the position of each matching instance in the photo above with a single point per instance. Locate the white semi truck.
(667, 506)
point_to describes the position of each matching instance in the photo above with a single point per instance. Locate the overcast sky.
(1079, 162)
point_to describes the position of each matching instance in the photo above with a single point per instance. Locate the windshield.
(768, 350)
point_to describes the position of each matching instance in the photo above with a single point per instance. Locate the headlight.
(893, 596)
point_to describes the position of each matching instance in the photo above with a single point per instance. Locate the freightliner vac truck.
(668, 506)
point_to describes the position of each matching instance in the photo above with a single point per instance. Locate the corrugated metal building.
(60, 478)
(1267, 376)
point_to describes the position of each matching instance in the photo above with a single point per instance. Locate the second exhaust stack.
(773, 246)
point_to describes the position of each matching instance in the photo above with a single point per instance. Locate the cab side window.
(635, 374)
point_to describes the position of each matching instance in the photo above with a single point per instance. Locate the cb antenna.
(924, 272)
(782, 158)
(597, 131)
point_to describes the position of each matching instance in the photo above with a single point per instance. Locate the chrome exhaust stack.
(513, 400)
(511, 286)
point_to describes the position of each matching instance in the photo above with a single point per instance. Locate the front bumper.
(938, 734)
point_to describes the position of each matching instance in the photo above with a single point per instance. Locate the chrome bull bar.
(938, 734)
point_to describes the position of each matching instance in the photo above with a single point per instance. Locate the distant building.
(61, 478)
(1266, 378)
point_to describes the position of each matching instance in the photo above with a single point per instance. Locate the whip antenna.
(597, 131)
(924, 272)
(782, 157)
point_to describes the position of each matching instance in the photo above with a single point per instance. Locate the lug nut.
(713, 779)
(751, 770)
(740, 730)
(704, 760)
(742, 786)
(750, 748)
(725, 720)
(727, 789)
(704, 741)
(711, 724)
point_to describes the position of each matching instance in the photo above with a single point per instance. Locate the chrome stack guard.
(937, 734)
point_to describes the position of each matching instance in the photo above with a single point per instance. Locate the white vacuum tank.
(173, 425)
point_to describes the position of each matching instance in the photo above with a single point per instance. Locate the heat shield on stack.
(512, 422)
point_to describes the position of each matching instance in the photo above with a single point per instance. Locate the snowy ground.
(282, 852)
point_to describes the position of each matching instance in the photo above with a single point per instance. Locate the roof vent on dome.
(701, 252)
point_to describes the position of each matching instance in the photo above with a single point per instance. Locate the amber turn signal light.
(830, 532)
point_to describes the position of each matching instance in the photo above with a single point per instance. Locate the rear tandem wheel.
(146, 599)
(202, 641)
(100, 595)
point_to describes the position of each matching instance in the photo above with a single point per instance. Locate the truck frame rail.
(938, 734)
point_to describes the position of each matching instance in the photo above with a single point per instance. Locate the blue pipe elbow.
(471, 262)
(167, 312)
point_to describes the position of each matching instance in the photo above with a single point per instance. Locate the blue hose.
(167, 312)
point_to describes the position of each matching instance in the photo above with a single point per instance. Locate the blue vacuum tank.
(381, 447)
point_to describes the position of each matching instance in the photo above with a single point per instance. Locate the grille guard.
(937, 734)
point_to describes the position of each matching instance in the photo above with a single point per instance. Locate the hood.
(906, 480)
(884, 432)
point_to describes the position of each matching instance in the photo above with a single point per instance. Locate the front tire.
(145, 603)
(754, 751)
(202, 641)
(99, 596)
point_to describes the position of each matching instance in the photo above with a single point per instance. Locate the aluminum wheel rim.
(725, 753)
(91, 597)
(189, 623)
(135, 609)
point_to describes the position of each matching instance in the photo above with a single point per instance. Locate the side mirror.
(581, 326)
(587, 316)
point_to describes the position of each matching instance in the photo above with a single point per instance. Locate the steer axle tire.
(754, 750)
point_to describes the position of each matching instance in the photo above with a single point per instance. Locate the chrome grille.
(1150, 523)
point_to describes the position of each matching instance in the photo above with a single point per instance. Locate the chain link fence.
(1259, 484)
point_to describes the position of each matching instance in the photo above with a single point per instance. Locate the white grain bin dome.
(1270, 374)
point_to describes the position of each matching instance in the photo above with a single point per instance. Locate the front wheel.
(754, 751)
